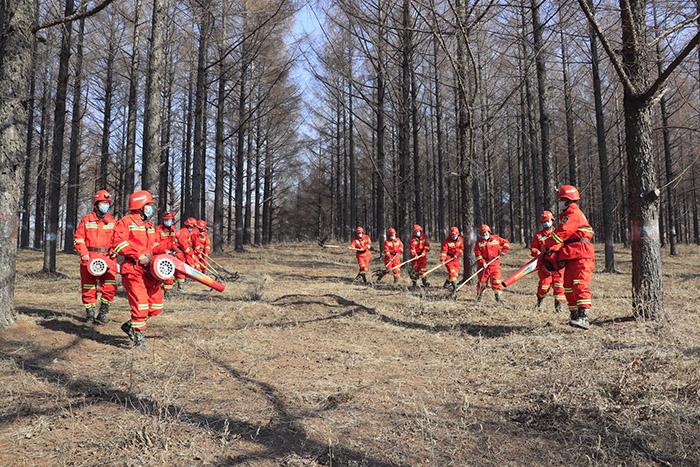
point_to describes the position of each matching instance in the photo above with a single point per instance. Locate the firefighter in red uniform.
(362, 245)
(571, 247)
(488, 247)
(185, 251)
(202, 246)
(136, 240)
(393, 252)
(451, 254)
(554, 280)
(419, 246)
(167, 241)
(93, 239)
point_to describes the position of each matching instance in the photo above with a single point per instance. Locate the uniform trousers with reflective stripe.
(553, 280)
(145, 296)
(492, 273)
(421, 265)
(577, 282)
(89, 283)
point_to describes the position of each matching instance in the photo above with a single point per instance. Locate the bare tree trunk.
(541, 67)
(258, 225)
(247, 233)
(129, 170)
(186, 179)
(605, 185)
(218, 243)
(351, 150)
(73, 189)
(198, 169)
(42, 168)
(439, 143)
(103, 182)
(240, 148)
(16, 17)
(647, 284)
(27, 183)
(150, 173)
(379, 126)
(666, 137)
(569, 114)
(57, 145)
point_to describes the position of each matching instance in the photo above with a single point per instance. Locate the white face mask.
(392, 237)
(103, 208)
(562, 205)
(486, 236)
(148, 211)
(454, 237)
(359, 235)
(418, 234)
(547, 224)
(168, 223)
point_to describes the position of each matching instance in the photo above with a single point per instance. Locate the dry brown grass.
(294, 365)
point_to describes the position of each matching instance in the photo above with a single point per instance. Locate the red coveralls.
(185, 252)
(363, 256)
(93, 237)
(547, 279)
(452, 249)
(167, 241)
(420, 245)
(393, 252)
(573, 242)
(134, 237)
(202, 248)
(485, 251)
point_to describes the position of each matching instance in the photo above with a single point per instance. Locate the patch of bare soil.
(295, 365)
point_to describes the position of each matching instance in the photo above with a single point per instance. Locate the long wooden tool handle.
(408, 261)
(438, 266)
(474, 275)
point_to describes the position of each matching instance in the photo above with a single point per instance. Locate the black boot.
(139, 339)
(396, 280)
(126, 327)
(90, 314)
(358, 277)
(425, 282)
(539, 302)
(579, 319)
(102, 315)
(499, 298)
(558, 307)
(447, 284)
(479, 294)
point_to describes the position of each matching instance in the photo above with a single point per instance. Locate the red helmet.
(102, 195)
(391, 231)
(191, 222)
(569, 192)
(417, 228)
(202, 225)
(139, 199)
(359, 230)
(546, 216)
(483, 228)
(168, 215)
(454, 230)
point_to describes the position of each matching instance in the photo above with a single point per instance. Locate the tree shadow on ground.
(53, 322)
(283, 436)
(599, 436)
(475, 330)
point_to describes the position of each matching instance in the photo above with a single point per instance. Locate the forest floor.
(295, 365)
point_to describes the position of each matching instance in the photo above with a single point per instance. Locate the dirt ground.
(295, 365)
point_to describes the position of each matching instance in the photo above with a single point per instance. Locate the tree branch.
(626, 83)
(67, 19)
(654, 88)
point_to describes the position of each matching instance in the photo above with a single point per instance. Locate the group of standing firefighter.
(136, 240)
(565, 257)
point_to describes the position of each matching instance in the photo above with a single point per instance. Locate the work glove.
(482, 263)
(85, 260)
(534, 252)
(144, 259)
